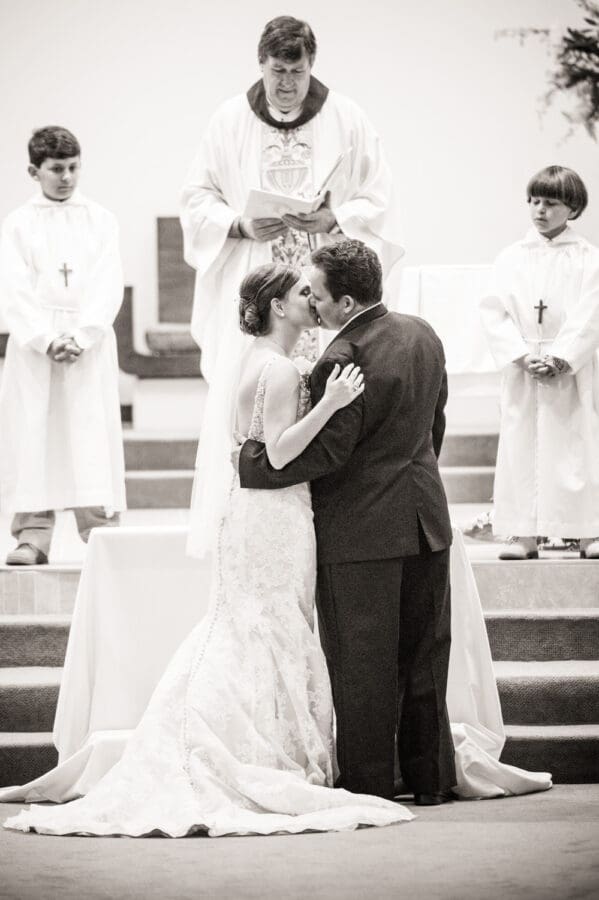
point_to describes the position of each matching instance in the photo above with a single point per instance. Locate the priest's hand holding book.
(318, 221)
(261, 229)
(321, 221)
(268, 215)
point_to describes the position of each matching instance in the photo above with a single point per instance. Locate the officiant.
(286, 135)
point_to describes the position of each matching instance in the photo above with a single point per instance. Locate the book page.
(266, 205)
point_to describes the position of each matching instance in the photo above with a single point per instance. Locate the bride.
(238, 735)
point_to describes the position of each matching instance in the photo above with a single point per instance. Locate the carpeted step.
(25, 756)
(153, 489)
(159, 489)
(560, 692)
(536, 584)
(28, 697)
(149, 451)
(543, 634)
(569, 752)
(468, 449)
(532, 693)
(30, 640)
(33, 640)
(468, 484)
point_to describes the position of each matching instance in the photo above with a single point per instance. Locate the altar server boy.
(61, 287)
(541, 318)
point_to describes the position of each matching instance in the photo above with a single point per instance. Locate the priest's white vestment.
(547, 474)
(230, 162)
(228, 165)
(60, 273)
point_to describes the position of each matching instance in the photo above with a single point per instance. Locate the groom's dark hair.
(352, 268)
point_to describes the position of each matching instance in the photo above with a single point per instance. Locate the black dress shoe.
(432, 799)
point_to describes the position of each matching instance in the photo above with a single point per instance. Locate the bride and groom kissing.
(238, 735)
(382, 526)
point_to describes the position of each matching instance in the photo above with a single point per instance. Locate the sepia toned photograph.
(299, 450)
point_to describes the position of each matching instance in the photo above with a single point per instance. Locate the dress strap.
(256, 431)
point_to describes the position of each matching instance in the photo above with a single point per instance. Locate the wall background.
(136, 81)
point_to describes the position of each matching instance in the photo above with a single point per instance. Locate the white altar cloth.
(447, 297)
(140, 595)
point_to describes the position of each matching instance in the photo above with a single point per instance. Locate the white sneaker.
(481, 529)
(589, 548)
(520, 548)
(26, 555)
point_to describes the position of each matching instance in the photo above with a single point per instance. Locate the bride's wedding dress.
(238, 735)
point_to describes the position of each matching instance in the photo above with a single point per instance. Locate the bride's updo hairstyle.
(258, 289)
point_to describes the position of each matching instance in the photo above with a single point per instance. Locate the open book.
(268, 205)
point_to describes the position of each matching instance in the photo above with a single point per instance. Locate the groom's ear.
(348, 305)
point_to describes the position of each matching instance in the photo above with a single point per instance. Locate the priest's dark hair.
(351, 268)
(287, 38)
(52, 142)
(258, 289)
(559, 183)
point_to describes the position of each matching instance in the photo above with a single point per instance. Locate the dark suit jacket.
(373, 467)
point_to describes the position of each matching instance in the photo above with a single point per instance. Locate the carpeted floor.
(536, 847)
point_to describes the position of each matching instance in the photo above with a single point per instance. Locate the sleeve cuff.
(42, 342)
(235, 229)
(86, 337)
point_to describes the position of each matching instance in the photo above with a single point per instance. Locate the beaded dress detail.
(238, 735)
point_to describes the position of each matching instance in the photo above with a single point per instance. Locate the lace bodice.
(256, 430)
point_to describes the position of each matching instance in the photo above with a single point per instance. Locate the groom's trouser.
(386, 632)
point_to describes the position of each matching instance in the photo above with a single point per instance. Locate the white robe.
(547, 476)
(228, 165)
(61, 443)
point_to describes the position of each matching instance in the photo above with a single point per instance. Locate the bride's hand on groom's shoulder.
(343, 387)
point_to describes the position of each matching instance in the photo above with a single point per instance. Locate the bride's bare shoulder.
(282, 369)
(282, 381)
(274, 366)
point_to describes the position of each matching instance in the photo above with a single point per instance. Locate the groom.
(382, 531)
